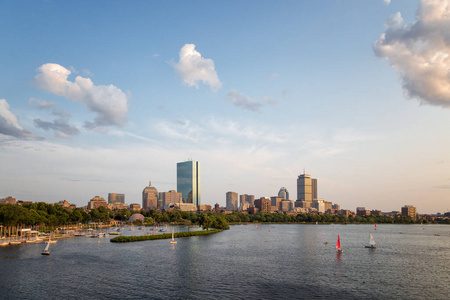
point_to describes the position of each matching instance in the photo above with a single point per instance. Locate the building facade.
(97, 202)
(283, 193)
(150, 197)
(188, 181)
(264, 205)
(114, 197)
(409, 211)
(250, 199)
(232, 201)
(169, 198)
(304, 188)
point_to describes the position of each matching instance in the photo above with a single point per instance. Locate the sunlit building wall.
(232, 201)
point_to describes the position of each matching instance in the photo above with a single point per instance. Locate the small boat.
(173, 237)
(338, 246)
(115, 233)
(4, 244)
(375, 226)
(131, 229)
(371, 242)
(15, 242)
(45, 251)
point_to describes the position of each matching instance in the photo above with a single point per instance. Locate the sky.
(101, 97)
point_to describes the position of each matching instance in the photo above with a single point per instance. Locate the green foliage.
(126, 239)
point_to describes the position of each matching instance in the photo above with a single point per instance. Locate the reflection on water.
(264, 262)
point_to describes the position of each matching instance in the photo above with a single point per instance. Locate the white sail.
(48, 245)
(371, 240)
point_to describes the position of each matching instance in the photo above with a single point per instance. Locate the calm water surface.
(245, 262)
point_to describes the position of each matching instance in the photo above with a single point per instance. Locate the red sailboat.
(338, 246)
(375, 226)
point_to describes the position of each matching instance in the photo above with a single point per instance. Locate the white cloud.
(269, 100)
(60, 126)
(9, 123)
(42, 104)
(387, 1)
(192, 68)
(107, 101)
(243, 101)
(420, 51)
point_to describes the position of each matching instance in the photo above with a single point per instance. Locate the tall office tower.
(314, 188)
(304, 187)
(232, 201)
(114, 198)
(188, 181)
(150, 197)
(283, 193)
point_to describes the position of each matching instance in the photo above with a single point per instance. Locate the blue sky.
(96, 99)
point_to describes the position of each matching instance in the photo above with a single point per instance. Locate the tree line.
(54, 215)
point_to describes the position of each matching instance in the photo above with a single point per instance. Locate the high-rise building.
(314, 188)
(249, 199)
(232, 201)
(188, 181)
(168, 198)
(409, 211)
(113, 198)
(150, 197)
(283, 193)
(304, 187)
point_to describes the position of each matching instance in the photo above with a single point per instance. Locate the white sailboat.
(372, 244)
(173, 237)
(46, 251)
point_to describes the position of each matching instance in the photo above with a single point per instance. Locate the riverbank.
(139, 238)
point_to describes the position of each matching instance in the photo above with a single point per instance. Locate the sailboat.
(338, 246)
(371, 242)
(173, 237)
(375, 226)
(45, 251)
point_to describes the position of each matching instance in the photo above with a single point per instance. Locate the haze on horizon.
(100, 97)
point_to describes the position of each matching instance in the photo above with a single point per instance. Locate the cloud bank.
(420, 52)
(192, 68)
(108, 102)
(242, 101)
(9, 123)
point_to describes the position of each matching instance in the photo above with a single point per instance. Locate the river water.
(245, 262)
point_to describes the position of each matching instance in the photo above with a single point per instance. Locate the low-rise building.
(97, 202)
(135, 206)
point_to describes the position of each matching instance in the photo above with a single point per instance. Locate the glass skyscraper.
(188, 181)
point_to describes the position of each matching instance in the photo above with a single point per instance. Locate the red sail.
(338, 244)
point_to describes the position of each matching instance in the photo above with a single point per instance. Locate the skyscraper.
(150, 197)
(232, 201)
(188, 181)
(304, 187)
(314, 188)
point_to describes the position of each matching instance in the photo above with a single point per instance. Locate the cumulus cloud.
(192, 68)
(420, 52)
(108, 102)
(9, 123)
(387, 1)
(243, 101)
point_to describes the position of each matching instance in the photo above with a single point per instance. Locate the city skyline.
(102, 100)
